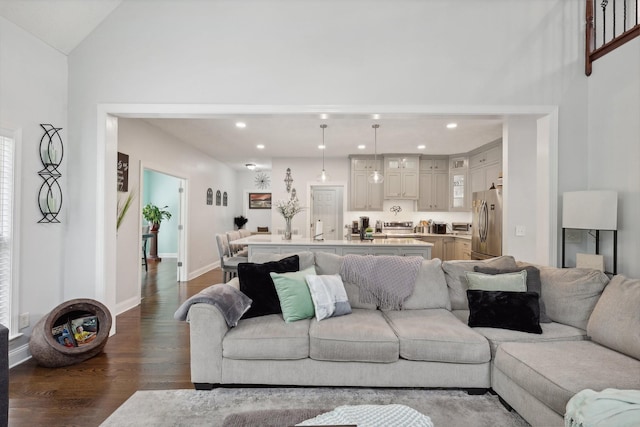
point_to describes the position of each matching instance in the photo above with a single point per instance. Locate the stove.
(398, 229)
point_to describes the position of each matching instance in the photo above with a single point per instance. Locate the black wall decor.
(218, 198)
(123, 172)
(50, 193)
(209, 196)
(224, 199)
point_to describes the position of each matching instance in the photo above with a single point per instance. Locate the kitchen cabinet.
(458, 184)
(433, 190)
(485, 168)
(434, 165)
(483, 177)
(449, 248)
(401, 180)
(365, 196)
(486, 157)
(433, 184)
(462, 248)
(437, 251)
(443, 247)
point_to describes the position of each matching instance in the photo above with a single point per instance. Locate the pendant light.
(376, 176)
(323, 177)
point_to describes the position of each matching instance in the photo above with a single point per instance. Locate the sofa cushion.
(615, 321)
(533, 283)
(551, 331)
(518, 311)
(328, 296)
(454, 273)
(515, 282)
(570, 294)
(363, 336)
(256, 283)
(554, 371)
(326, 264)
(431, 288)
(267, 337)
(307, 258)
(294, 295)
(435, 335)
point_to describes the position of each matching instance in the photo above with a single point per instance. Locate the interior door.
(327, 207)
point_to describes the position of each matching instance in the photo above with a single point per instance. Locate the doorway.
(326, 207)
(168, 193)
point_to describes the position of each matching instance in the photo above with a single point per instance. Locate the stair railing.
(608, 27)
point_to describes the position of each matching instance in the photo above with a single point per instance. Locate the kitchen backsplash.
(407, 212)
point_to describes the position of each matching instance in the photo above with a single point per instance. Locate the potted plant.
(155, 215)
(240, 221)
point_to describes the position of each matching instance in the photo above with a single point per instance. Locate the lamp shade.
(590, 210)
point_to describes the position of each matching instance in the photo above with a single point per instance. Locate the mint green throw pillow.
(293, 293)
(513, 282)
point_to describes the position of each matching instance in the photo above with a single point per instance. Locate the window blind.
(6, 227)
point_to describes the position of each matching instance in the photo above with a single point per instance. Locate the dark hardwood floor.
(150, 351)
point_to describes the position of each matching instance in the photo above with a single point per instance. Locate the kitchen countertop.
(418, 235)
(278, 240)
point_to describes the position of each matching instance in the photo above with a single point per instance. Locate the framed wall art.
(259, 200)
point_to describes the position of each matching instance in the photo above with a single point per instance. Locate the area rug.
(448, 408)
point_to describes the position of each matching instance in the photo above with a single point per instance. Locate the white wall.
(275, 52)
(154, 149)
(614, 146)
(163, 190)
(33, 90)
(304, 172)
(520, 188)
(257, 217)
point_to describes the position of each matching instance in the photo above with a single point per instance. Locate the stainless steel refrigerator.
(486, 238)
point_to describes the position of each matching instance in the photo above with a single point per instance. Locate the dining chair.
(228, 262)
(236, 250)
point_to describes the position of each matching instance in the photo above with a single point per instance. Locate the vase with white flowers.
(288, 209)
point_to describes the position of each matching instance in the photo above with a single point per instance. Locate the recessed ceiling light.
(421, 147)
(452, 125)
(260, 146)
(361, 147)
(241, 125)
(324, 116)
(322, 147)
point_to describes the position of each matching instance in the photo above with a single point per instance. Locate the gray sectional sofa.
(592, 340)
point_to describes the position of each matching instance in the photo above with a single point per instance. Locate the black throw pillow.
(533, 283)
(517, 311)
(256, 283)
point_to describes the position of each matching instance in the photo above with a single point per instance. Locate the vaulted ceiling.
(64, 24)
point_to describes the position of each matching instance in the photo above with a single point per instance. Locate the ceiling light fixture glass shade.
(250, 166)
(324, 176)
(376, 176)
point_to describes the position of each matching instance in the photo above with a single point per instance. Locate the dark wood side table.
(153, 249)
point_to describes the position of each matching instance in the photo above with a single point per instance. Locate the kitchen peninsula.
(275, 244)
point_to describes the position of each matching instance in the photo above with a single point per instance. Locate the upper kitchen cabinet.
(401, 177)
(485, 167)
(458, 184)
(433, 184)
(365, 196)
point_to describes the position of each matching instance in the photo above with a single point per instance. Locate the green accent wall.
(163, 190)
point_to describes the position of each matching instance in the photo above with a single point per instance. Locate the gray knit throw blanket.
(385, 281)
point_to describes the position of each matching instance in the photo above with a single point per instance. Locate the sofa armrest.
(207, 330)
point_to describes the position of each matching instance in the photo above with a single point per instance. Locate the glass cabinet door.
(459, 190)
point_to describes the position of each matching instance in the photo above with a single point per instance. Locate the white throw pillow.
(328, 295)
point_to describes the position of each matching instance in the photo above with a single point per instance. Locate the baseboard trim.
(201, 271)
(168, 255)
(125, 305)
(19, 355)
